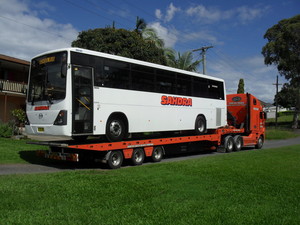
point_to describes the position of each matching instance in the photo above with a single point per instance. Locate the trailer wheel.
(115, 159)
(138, 156)
(200, 125)
(238, 142)
(260, 142)
(115, 129)
(228, 143)
(157, 154)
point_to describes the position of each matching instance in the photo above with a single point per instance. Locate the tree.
(181, 61)
(120, 42)
(283, 50)
(286, 97)
(241, 85)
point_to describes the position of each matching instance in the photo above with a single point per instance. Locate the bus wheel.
(200, 125)
(238, 142)
(115, 159)
(228, 143)
(157, 154)
(260, 142)
(115, 129)
(138, 156)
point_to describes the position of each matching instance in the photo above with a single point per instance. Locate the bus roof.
(129, 60)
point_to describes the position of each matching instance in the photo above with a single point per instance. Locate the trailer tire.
(138, 156)
(238, 142)
(115, 159)
(228, 144)
(200, 125)
(260, 142)
(157, 154)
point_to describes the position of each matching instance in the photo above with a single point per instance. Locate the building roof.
(14, 60)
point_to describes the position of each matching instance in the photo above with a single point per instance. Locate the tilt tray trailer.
(246, 127)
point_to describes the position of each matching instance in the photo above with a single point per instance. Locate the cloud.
(258, 77)
(169, 35)
(158, 14)
(243, 14)
(24, 34)
(204, 35)
(170, 13)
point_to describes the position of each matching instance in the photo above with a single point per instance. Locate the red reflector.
(41, 108)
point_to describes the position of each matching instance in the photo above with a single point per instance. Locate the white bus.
(78, 93)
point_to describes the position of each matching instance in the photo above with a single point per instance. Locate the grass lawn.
(248, 187)
(15, 151)
(277, 134)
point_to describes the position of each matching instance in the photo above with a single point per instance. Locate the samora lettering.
(170, 100)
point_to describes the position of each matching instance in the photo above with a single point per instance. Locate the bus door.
(82, 103)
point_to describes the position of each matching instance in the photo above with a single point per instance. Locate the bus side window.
(200, 87)
(142, 78)
(215, 90)
(116, 74)
(165, 82)
(184, 84)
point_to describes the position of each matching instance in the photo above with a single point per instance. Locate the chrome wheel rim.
(115, 128)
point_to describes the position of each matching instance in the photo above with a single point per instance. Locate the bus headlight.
(61, 118)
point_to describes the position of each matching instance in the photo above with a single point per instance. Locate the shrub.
(20, 115)
(6, 130)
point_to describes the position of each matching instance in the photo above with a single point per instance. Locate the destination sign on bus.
(47, 60)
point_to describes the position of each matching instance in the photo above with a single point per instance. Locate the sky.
(235, 29)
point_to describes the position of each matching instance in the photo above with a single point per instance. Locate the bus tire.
(238, 142)
(260, 142)
(157, 154)
(115, 129)
(138, 156)
(200, 125)
(228, 143)
(115, 159)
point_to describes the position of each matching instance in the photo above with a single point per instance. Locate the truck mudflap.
(73, 157)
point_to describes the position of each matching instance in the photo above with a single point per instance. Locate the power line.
(35, 28)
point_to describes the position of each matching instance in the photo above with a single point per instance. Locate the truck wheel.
(260, 142)
(115, 159)
(200, 125)
(115, 129)
(138, 156)
(238, 142)
(157, 154)
(228, 144)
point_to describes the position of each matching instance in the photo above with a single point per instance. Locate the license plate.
(40, 129)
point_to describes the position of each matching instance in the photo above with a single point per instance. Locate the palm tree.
(140, 25)
(181, 61)
(147, 33)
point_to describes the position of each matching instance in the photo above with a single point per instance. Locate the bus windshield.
(47, 80)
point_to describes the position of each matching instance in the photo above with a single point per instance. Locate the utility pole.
(203, 49)
(276, 100)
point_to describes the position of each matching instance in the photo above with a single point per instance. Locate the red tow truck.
(246, 127)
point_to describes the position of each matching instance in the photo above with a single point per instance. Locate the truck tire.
(200, 125)
(115, 129)
(115, 159)
(260, 142)
(238, 142)
(157, 154)
(138, 156)
(228, 144)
